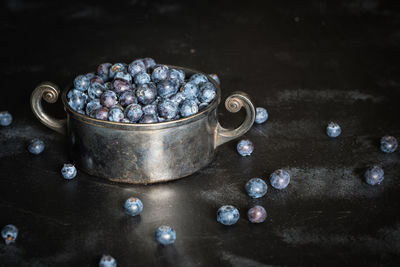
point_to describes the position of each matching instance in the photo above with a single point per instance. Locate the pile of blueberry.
(141, 92)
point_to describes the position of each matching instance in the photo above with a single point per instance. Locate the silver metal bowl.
(143, 153)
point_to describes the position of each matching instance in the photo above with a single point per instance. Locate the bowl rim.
(147, 126)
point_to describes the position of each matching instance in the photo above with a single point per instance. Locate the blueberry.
(81, 83)
(142, 78)
(215, 78)
(107, 261)
(123, 76)
(256, 188)
(190, 90)
(114, 69)
(207, 92)
(115, 114)
(136, 67)
(374, 175)
(5, 118)
(148, 118)
(227, 215)
(68, 171)
(96, 79)
(333, 129)
(9, 233)
(146, 93)
(108, 99)
(119, 86)
(280, 179)
(166, 88)
(96, 90)
(165, 235)
(36, 146)
(101, 113)
(167, 109)
(128, 98)
(90, 75)
(92, 106)
(77, 99)
(159, 73)
(177, 98)
(176, 75)
(189, 108)
(133, 112)
(261, 115)
(133, 206)
(257, 214)
(245, 147)
(150, 109)
(389, 144)
(149, 63)
(103, 71)
(198, 79)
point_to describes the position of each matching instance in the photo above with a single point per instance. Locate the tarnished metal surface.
(144, 153)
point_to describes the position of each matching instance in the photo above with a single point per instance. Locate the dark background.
(307, 63)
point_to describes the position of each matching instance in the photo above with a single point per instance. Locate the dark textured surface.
(307, 64)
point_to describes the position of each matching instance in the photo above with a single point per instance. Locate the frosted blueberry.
(148, 62)
(117, 67)
(159, 73)
(107, 261)
(103, 71)
(389, 144)
(190, 90)
(333, 129)
(374, 175)
(123, 76)
(92, 106)
(101, 113)
(150, 109)
(198, 79)
(142, 78)
(36, 146)
(115, 114)
(108, 99)
(215, 78)
(177, 98)
(245, 147)
(136, 67)
(166, 88)
(128, 98)
(68, 171)
(189, 108)
(96, 90)
(207, 92)
(77, 100)
(176, 75)
(133, 112)
(148, 118)
(81, 83)
(165, 235)
(261, 115)
(133, 206)
(9, 233)
(167, 109)
(227, 215)
(256, 187)
(146, 93)
(280, 179)
(5, 118)
(257, 214)
(90, 75)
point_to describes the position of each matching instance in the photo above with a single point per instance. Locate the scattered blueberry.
(167, 109)
(142, 78)
(81, 83)
(9, 233)
(280, 179)
(245, 147)
(160, 73)
(165, 235)
(389, 144)
(256, 188)
(108, 99)
(374, 175)
(5, 118)
(133, 112)
(133, 206)
(333, 129)
(257, 214)
(189, 108)
(36, 146)
(115, 114)
(227, 215)
(146, 93)
(136, 67)
(68, 171)
(107, 261)
(215, 78)
(261, 115)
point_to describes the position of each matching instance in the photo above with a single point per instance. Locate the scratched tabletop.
(307, 64)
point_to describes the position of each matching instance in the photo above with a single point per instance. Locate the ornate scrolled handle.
(49, 92)
(233, 104)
